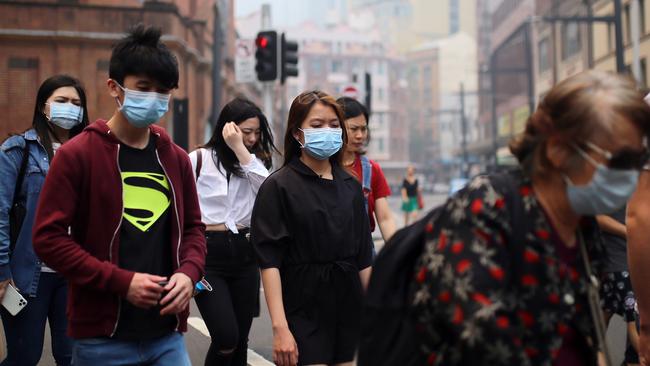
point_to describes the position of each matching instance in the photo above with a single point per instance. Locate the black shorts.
(617, 296)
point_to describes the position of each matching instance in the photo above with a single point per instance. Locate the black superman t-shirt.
(145, 236)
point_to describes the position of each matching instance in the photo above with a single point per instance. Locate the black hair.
(142, 53)
(238, 110)
(40, 123)
(353, 108)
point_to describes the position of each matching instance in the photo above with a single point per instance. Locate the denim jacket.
(23, 265)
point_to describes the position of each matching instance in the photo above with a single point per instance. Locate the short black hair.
(353, 108)
(142, 53)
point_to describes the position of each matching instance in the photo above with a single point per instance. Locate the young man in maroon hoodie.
(118, 216)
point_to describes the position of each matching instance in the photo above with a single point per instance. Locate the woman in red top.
(368, 172)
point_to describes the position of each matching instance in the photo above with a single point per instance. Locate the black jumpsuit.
(315, 231)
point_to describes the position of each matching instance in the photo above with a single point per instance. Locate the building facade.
(42, 38)
(337, 58)
(437, 73)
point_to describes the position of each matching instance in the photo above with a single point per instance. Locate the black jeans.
(25, 331)
(228, 310)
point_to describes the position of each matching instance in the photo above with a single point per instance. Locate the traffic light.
(266, 56)
(289, 59)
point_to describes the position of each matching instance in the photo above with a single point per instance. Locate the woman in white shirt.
(229, 170)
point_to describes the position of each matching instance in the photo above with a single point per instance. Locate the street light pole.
(463, 126)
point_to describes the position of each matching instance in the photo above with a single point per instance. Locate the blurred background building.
(42, 38)
(451, 81)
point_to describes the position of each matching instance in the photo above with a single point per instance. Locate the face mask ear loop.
(298, 140)
(586, 156)
(117, 99)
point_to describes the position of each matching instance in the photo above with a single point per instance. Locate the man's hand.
(144, 290)
(180, 289)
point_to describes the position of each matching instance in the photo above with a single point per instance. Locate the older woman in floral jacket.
(507, 274)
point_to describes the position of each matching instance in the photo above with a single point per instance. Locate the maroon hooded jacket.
(83, 191)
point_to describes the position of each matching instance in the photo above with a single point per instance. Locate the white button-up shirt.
(222, 202)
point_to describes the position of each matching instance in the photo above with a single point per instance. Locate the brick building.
(42, 38)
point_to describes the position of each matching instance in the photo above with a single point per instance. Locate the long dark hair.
(238, 110)
(40, 122)
(300, 108)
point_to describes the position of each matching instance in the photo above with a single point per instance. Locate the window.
(544, 59)
(426, 75)
(628, 21)
(570, 40)
(103, 65)
(643, 76)
(610, 37)
(317, 65)
(381, 68)
(454, 16)
(337, 66)
(23, 63)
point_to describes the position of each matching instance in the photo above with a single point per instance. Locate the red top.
(378, 185)
(83, 191)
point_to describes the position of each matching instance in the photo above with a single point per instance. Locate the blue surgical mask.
(65, 115)
(142, 109)
(608, 191)
(322, 143)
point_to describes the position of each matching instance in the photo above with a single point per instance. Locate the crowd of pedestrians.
(108, 229)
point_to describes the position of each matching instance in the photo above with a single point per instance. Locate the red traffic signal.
(262, 41)
(266, 56)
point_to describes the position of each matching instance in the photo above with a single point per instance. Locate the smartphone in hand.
(13, 301)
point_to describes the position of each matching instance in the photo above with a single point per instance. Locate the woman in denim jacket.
(60, 113)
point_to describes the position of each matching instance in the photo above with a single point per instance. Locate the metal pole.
(217, 42)
(529, 63)
(635, 25)
(463, 125)
(495, 130)
(618, 30)
(267, 87)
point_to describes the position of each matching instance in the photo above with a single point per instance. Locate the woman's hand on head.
(233, 137)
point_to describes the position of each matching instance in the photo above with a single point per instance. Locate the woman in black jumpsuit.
(312, 239)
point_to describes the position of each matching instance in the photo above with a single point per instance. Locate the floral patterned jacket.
(480, 298)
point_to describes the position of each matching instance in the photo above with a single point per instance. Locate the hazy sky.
(283, 12)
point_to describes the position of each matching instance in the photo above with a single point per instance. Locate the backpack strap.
(19, 184)
(21, 172)
(366, 172)
(199, 162)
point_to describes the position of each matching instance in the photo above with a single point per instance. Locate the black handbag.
(18, 209)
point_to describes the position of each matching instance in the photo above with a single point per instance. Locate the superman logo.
(146, 197)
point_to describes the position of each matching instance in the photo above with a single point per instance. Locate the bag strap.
(366, 172)
(199, 162)
(594, 301)
(21, 173)
(517, 212)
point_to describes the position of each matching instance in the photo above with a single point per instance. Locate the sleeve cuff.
(248, 167)
(5, 272)
(121, 281)
(193, 273)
